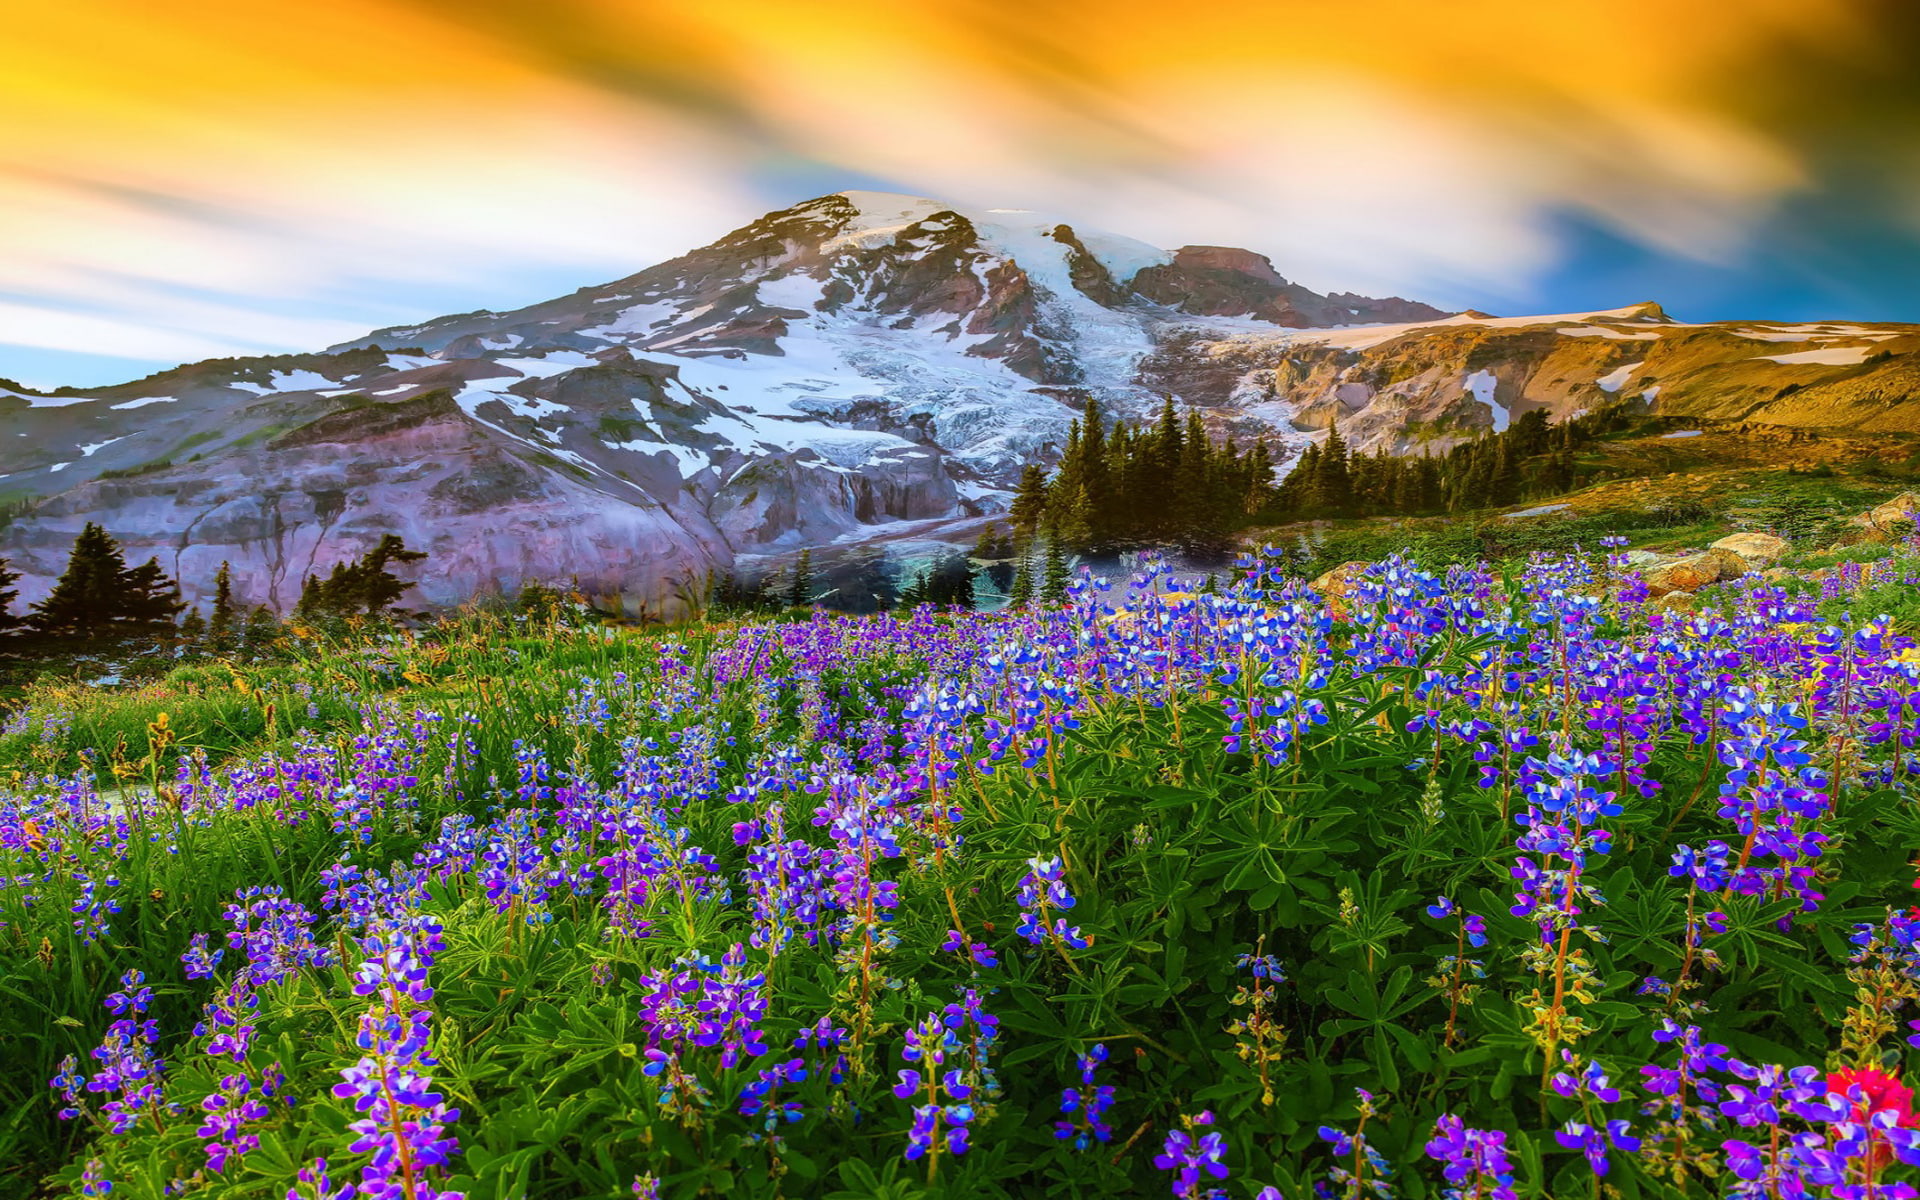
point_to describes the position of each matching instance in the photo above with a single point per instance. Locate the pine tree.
(8, 594)
(1332, 493)
(1020, 594)
(800, 591)
(993, 554)
(193, 629)
(149, 600)
(1053, 587)
(364, 585)
(85, 601)
(1030, 501)
(263, 629)
(220, 629)
(380, 587)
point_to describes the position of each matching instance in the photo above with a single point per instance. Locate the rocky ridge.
(855, 364)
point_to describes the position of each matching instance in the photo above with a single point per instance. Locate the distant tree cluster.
(100, 604)
(1529, 458)
(1166, 483)
(362, 587)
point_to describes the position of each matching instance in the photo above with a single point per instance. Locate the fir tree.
(221, 628)
(380, 587)
(1332, 485)
(950, 584)
(364, 585)
(1053, 587)
(1020, 594)
(1030, 501)
(262, 631)
(149, 600)
(800, 591)
(8, 594)
(85, 600)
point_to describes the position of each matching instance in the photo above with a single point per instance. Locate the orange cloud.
(329, 151)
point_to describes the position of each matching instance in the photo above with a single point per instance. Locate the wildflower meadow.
(1469, 883)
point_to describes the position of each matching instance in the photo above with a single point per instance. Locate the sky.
(206, 178)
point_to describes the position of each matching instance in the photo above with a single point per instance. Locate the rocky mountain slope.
(827, 373)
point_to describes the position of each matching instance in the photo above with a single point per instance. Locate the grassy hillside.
(1505, 874)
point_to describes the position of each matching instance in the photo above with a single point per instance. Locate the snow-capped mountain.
(827, 373)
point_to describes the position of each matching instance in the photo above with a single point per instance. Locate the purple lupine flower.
(133, 995)
(199, 962)
(1594, 1141)
(1475, 1161)
(1194, 1157)
(980, 953)
(229, 1109)
(1370, 1170)
(319, 1184)
(1087, 1104)
(943, 1112)
(1043, 890)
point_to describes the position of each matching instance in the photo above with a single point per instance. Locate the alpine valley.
(857, 368)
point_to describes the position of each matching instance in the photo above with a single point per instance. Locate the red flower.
(1880, 1093)
(1883, 1092)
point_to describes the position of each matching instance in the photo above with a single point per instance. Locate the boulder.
(1898, 516)
(1756, 550)
(1688, 574)
(1335, 585)
(1640, 560)
(1732, 565)
(1675, 602)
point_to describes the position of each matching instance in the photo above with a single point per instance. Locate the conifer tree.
(1332, 485)
(193, 628)
(364, 585)
(8, 594)
(311, 601)
(1030, 501)
(85, 600)
(149, 599)
(380, 587)
(1053, 587)
(263, 629)
(800, 591)
(221, 627)
(1020, 594)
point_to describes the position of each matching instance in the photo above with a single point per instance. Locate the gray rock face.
(824, 374)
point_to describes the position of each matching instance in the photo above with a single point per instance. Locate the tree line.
(1169, 484)
(100, 603)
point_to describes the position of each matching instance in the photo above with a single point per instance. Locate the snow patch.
(301, 380)
(1682, 433)
(1602, 331)
(557, 362)
(1827, 356)
(1482, 385)
(1616, 379)
(87, 451)
(143, 401)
